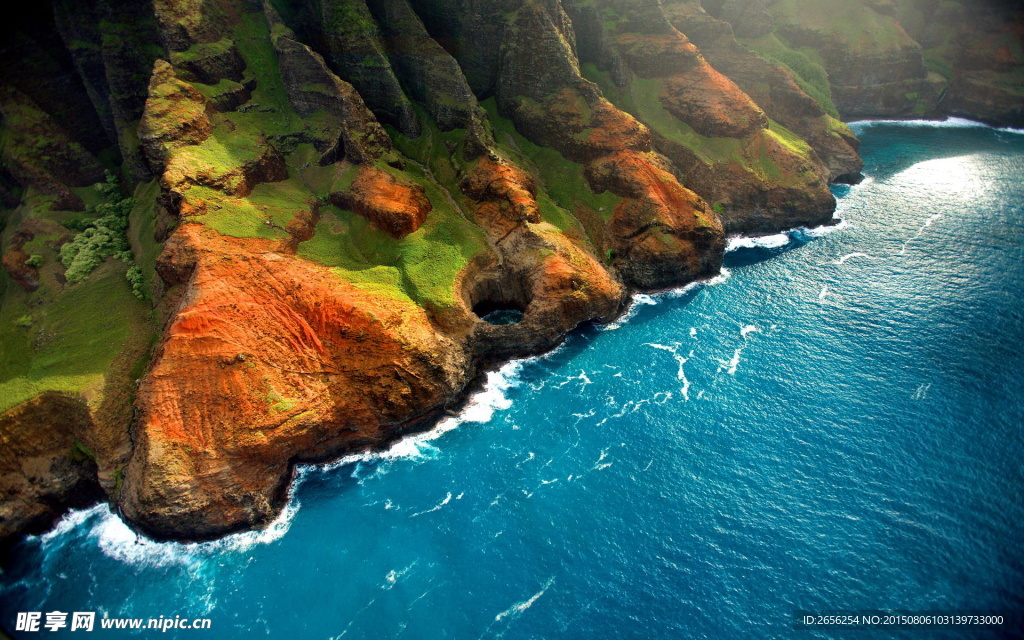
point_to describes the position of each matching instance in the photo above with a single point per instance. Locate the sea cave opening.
(499, 299)
(498, 313)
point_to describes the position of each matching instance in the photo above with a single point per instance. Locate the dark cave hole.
(498, 313)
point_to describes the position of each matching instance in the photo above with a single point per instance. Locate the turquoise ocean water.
(835, 423)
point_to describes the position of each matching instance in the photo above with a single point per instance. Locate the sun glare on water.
(953, 175)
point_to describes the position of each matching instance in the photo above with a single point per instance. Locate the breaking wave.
(948, 123)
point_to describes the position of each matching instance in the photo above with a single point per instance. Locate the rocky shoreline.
(327, 202)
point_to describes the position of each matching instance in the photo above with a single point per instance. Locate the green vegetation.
(265, 213)
(224, 152)
(838, 127)
(789, 139)
(560, 178)
(269, 111)
(421, 267)
(940, 60)
(66, 339)
(103, 237)
(642, 98)
(202, 51)
(141, 232)
(80, 453)
(214, 92)
(350, 19)
(854, 23)
(804, 65)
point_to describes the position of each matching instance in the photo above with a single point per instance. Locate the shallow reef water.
(833, 423)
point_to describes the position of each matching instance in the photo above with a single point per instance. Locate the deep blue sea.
(837, 422)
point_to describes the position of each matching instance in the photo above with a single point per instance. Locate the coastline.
(810, 456)
(476, 405)
(951, 122)
(401, 440)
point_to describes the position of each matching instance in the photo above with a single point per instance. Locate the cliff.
(240, 235)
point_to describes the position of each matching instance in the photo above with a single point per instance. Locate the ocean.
(834, 423)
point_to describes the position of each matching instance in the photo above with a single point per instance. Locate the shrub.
(35, 260)
(138, 282)
(103, 236)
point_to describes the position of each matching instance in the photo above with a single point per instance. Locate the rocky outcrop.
(45, 467)
(313, 367)
(427, 72)
(356, 52)
(39, 154)
(391, 202)
(185, 23)
(176, 115)
(472, 34)
(771, 85)
(17, 262)
(718, 140)
(113, 44)
(551, 103)
(976, 46)
(312, 87)
(985, 96)
(555, 283)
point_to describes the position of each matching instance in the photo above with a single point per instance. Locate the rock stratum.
(240, 235)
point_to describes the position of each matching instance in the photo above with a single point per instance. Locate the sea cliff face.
(242, 235)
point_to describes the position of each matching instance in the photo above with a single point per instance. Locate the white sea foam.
(639, 300)
(762, 242)
(116, 540)
(733, 364)
(927, 223)
(681, 361)
(850, 256)
(824, 292)
(825, 229)
(582, 378)
(479, 409)
(723, 275)
(642, 299)
(436, 507)
(520, 607)
(394, 576)
(71, 521)
(948, 123)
